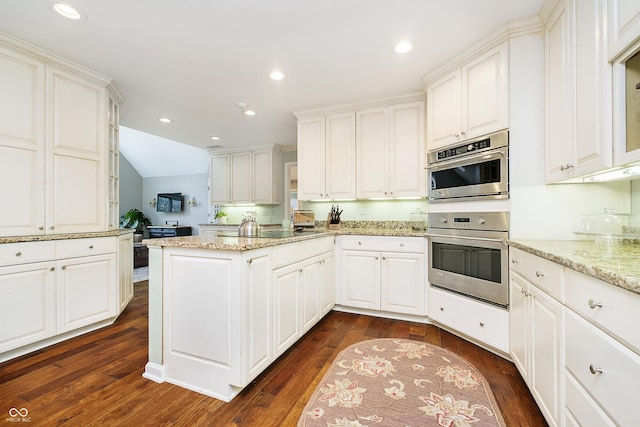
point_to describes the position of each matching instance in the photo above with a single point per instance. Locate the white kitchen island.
(221, 309)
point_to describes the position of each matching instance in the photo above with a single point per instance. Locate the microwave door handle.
(465, 160)
(480, 239)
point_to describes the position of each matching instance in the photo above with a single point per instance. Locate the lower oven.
(468, 254)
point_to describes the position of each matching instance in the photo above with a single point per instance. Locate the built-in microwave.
(478, 168)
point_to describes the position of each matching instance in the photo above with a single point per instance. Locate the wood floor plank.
(96, 379)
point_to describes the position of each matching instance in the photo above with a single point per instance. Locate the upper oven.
(478, 168)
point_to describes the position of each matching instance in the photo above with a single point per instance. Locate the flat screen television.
(169, 202)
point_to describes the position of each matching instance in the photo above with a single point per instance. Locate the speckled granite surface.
(618, 264)
(45, 237)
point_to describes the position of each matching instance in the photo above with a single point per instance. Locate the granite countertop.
(45, 237)
(225, 243)
(618, 263)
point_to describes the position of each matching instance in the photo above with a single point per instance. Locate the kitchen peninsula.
(221, 309)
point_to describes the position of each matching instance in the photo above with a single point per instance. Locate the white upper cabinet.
(326, 157)
(390, 151)
(469, 101)
(623, 25)
(626, 106)
(246, 176)
(22, 140)
(578, 90)
(372, 149)
(53, 146)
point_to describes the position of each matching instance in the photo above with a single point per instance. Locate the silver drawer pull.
(594, 370)
(18, 253)
(514, 261)
(538, 274)
(482, 324)
(401, 245)
(91, 247)
(441, 308)
(249, 261)
(593, 304)
(359, 243)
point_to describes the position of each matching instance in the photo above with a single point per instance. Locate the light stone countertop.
(66, 236)
(224, 243)
(618, 263)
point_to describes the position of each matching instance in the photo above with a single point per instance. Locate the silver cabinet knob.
(593, 305)
(594, 370)
(514, 261)
(18, 253)
(441, 308)
(41, 228)
(52, 269)
(539, 274)
(51, 227)
(249, 261)
(482, 324)
(91, 247)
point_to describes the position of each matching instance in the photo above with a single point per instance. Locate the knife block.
(332, 225)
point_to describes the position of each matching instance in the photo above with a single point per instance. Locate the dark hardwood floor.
(96, 379)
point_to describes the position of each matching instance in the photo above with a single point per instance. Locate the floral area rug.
(401, 383)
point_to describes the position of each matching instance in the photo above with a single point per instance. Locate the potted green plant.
(137, 220)
(220, 217)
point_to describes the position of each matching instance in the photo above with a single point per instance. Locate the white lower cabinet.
(383, 274)
(303, 290)
(86, 291)
(28, 295)
(536, 337)
(125, 271)
(258, 354)
(52, 289)
(482, 323)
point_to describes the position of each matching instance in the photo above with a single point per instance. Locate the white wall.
(130, 187)
(190, 186)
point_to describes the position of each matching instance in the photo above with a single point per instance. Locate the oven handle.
(481, 239)
(465, 160)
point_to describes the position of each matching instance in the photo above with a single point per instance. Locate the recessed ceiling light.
(276, 75)
(215, 138)
(165, 119)
(67, 11)
(250, 112)
(403, 47)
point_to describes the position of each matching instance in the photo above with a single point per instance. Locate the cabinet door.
(310, 276)
(623, 25)
(327, 284)
(219, 191)
(28, 295)
(547, 354)
(444, 111)
(519, 324)
(593, 109)
(340, 156)
(86, 291)
(361, 279)
(259, 319)
(267, 177)
(22, 143)
(286, 308)
(372, 148)
(559, 147)
(403, 283)
(76, 166)
(311, 158)
(407, 158)
(241, 177)
(125, 271)
(485, 93)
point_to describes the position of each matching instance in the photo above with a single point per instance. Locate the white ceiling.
(194, 60)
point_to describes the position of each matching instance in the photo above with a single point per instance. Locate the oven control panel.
(494, 141)
(494, 221)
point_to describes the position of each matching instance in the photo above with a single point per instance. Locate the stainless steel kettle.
(249, 227)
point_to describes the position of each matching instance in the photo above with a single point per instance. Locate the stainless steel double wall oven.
(468, 251)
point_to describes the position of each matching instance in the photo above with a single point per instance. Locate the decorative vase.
(221, 220)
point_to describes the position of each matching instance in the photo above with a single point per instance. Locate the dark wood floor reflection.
(96, 379)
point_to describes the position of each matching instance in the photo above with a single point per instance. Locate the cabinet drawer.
(384, 243)
(581, 409)
(545, 274)
(615, 387)
(614, 309)
(85, 247)
(482, 322)
(297, 251)
(26, 252)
